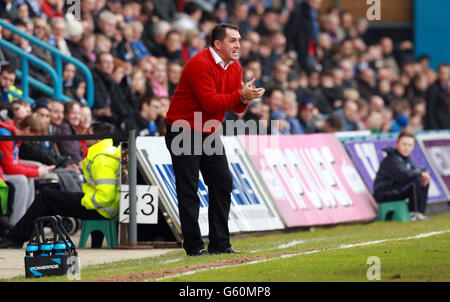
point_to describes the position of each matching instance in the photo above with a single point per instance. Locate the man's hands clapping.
(250, 92)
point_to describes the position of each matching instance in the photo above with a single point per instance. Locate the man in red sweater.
(210, 84)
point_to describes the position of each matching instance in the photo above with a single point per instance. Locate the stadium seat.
(107, 227)
(397, 210)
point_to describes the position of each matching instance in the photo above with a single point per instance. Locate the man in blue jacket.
(399, 178)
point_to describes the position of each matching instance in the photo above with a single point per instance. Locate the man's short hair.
(101, 128)
(148, 98)
(220, 32)
(405, 133)
(9, 68)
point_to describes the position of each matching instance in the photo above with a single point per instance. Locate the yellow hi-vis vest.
(101, 172)
(14, 93)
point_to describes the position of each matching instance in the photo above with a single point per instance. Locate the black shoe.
(200, 252)
(228, 250)
(6, 243)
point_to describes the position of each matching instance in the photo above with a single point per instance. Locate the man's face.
(6, 80)
(173, 42)
(153, 110)
(106, 64)
(351, 111)
(56, 113)
(405, 146)
(229, 48)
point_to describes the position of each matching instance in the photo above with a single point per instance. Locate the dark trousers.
(217, 177)
(414, 191)
(49, 203)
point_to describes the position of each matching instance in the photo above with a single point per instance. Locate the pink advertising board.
(311, 179)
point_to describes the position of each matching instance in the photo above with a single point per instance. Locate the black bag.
(54, 256)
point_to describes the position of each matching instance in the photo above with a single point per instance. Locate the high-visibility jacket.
(101, 172)
(13, 93)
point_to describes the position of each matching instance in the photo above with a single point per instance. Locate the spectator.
(192, 45)
(107, 25)
(438, 96)
(87, 44)
(8, 92)
(138, 47)
(172, 45)
(68, 126)
(280, 124)
(103, 83)
(280, 76)
(156, 44)
(240, 17)
(84, 125)
(349, 116)
(145, 120)
(302, 33)
(387, 49)
(275, 98)
(12, 164)
(174, 69)
(159, 79)
(290, 108)
(190, 18)
(306, 117)
(56, 110)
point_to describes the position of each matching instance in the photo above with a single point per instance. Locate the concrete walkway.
(12, 260)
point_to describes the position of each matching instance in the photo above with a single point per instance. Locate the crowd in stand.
(321, 71)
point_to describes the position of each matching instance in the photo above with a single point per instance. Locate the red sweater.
(207, 88)
(11, 163)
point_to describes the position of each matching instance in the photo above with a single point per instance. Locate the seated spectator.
(87, 44)
(83, 126)
(172, 45)
(290, 108)
(398, 177)
(103, 83)
(145, 120)
(71, 120)
(56, 110)
(174, 69)
(7, 89)
(58, 38)
(274, 98)
(438, 110)
(159, 80)
(279, 123)
(349, 116)
(307, 117)
(12, 164)
(192, 45)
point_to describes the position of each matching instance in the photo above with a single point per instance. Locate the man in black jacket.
(438, 101)
(399, 178)
(302, 31)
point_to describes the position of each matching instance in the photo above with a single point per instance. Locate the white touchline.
(342, 246)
